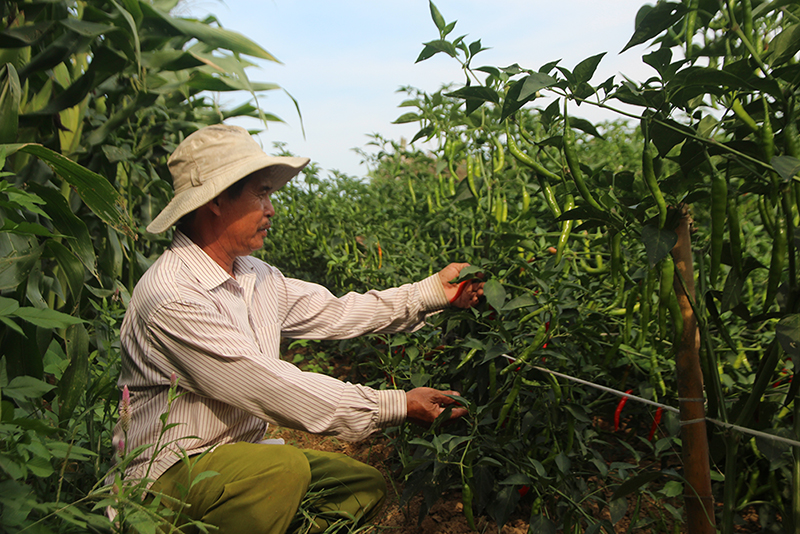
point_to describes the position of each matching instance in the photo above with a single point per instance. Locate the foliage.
(93, 96)
(717, 131)
(569, 223)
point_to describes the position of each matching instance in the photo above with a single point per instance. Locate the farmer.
(210, 316)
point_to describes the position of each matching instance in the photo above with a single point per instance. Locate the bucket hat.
(212, 159)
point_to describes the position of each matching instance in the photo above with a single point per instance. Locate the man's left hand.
(465, 294)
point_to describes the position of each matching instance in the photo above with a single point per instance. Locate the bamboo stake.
(698, 499)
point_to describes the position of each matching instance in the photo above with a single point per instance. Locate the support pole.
(699, 501)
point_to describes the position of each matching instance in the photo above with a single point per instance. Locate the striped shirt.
(220, 335)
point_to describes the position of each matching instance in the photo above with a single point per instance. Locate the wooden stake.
(699, 501)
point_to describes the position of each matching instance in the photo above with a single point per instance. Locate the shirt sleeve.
(312, 312)
(216, 360)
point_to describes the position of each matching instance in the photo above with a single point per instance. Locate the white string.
(619, 393)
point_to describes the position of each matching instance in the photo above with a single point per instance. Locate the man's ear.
(215, 205)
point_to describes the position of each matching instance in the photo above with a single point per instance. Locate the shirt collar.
(209, 274)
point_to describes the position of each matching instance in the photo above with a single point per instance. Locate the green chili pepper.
(492, 378)
(677, 318)
(466, 495)
(775, 265)
(655, 374)
(549, 196)
(471, 177)
(498, 209)
(526, 198)
(509, 403)
(411, 190)
(649, 174)
(646, 305)
(719, 208)
(526, 159)
(467, 358)
(664, 292)
(766, 140)
(790, 137)
(556, 388)
(747, 19)
(787, 202)
(499, 156)
(766, 216)
(566, 228)
(525, 356)
(735, 234)
(616, 258)
(630, 304)
(743, 115)
(689, 25)
(571, 155)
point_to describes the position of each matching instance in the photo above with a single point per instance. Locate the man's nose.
(269, 209)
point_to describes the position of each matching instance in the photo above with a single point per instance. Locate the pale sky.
(344, 60)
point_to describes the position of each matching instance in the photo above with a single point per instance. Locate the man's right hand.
(426, 404)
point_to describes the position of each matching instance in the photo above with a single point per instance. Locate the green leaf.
(784, 46)
(407, 117)
(618, 508)
(70, 265)
(651, 21)
(541, 525)
(633, 484)
(495, 293)
(585, 69)
(10, 96)
(95, 190)
(26, 387)
(673, 488)
(786, 166)
(8, 306)
(585, 126)
(69, 224)
(25, 35)
(657, 243)
(210, 35)
(437, 17)
(434, 47)
(46, 318)
(476, 92)
(788, 333)
(522, 301)
(18, 255)
(425, 132)
(73, 383)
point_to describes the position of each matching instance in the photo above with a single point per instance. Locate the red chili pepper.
(656, 420)
(458, 291)
(523, 491)
(618, 411)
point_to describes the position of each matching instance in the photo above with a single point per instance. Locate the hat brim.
(284, 169)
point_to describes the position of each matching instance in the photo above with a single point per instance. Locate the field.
(654, 256)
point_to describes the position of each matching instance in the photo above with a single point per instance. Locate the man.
(212, 316)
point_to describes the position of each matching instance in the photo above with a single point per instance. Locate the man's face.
(245, 220)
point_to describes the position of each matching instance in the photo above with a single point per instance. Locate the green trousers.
(260, 488)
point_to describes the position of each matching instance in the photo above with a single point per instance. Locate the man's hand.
(464, 294)
(426, 404)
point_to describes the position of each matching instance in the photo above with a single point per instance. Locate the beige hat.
(209, 161)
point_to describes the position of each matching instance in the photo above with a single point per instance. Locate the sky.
(344, 61)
